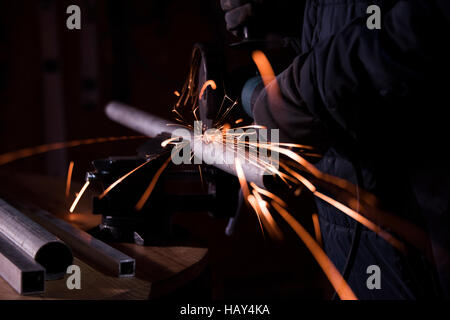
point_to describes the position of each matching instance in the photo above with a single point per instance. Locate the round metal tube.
(137, 120)
(151, 126)
(39, 244)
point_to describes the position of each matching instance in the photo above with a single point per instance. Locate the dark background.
(137, 52)
(55, 83)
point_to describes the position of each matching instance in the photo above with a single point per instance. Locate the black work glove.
(263, 16)
(239, 13)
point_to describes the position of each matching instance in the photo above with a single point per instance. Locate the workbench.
(159, 270)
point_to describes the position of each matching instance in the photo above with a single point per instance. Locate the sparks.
(363, 220)
(69, 178)
(151, 186)
(267, 219)
(209, 83)
(268, 194)
(294, 157)
(254, 204)
(315, 219)
(298, 178)
(348, 211)
(112, 186)
(80, 194)
(337, 281)
(169, 141)
(264, 67)
(267, 75)
(241, 177)
(29, 152)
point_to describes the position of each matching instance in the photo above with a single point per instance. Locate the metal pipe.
(213, 153)
(35, 241)
(20, 271)
(138, 120)
(87, 247)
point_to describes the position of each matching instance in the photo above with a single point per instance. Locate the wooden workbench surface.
(159, 270)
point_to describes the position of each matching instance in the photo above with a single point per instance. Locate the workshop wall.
(55, 82)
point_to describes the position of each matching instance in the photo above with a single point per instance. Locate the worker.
(373, 100)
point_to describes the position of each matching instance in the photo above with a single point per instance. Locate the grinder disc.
(209, 62)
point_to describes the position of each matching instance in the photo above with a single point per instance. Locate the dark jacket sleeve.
(344, 75)
(287, 111)
(346, 80)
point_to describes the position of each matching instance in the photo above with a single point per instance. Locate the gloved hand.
(263, 16)
(239, 13)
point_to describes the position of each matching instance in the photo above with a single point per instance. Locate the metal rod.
(20, 271)
(87, 247)
(213, 153)
(138, 120)
(35, 241)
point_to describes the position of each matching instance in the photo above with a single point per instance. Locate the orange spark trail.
(264, 67)
(249, 198)
(226, 127)
(112, 186)
(151, 186)
(80, 194)
(267, 219)
(300, 178)
(225, 114)
(28, 152)
(210, 83)
(316, 223)
(201, 175)
(268, 194)
(175, 110)
(293, 145)
(221, 106)
(300, 160)
(168, 141)
(253, 203)
(242, 179)
(69, 178)
(337, 281)
(348, 211)
(268, 76)
(364, 221)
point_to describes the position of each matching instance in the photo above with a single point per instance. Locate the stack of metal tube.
(29, 254)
